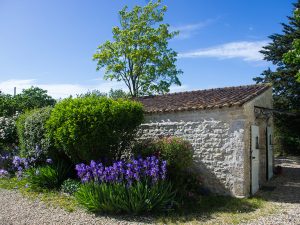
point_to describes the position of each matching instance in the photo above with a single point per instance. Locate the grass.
(52, 198)
(220, 210)
(208, 210)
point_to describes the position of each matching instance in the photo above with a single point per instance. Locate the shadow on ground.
(201, 211)
(286, 186)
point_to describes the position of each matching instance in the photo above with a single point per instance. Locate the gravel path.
(15, 209)
(286, 194)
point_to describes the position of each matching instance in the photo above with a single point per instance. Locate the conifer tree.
(286, 89)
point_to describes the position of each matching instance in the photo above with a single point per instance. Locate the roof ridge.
(206, 90)
(203, 99)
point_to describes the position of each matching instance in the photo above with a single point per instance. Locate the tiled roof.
(202, 99)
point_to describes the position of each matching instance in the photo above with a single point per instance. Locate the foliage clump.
(12, 106)
(140, 56)
(94, 128)
(177, 152)
(47, 176)
(281, 50)
(28, 99)
(8, 132)
(33, 141)
(140, 198)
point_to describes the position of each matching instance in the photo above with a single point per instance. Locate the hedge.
(93, 128)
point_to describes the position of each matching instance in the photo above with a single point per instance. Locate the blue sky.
(50, 43)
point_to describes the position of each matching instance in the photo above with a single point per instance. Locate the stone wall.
(218, 140)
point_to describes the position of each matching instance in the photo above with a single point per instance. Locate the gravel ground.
(286, 194)
(15, 209)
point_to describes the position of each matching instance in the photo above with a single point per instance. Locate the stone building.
(230, 129)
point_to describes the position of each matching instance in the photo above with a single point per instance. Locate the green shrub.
(117, 198)
(42, 177)
(180, 166)
(287, 134)
(92, 128)
(8, 132)
(32, 133)
(47, 177)
(177, 152)
(70, 186)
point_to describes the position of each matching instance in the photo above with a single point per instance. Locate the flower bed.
(137, 186)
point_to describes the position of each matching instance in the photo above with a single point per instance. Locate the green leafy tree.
(7, 105)
(30, 98)
(292, 57)
(114, 94)
(96, 93)
(118, 93)
(33, 97)
(286, 89)
(139, 55)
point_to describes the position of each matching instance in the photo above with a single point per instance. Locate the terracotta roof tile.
(202, 99)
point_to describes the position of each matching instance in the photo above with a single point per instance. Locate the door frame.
(251, 157)
(268, 152)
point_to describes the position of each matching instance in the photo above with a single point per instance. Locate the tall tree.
(139, 55)
(292, 57)
(286, 89)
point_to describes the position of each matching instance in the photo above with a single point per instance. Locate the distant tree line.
(30, 98)
(35, 97)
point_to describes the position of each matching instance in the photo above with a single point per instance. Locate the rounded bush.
(92, 128)
(32, 136)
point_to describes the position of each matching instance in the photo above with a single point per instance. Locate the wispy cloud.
(60, 90)
(66, 89)
(188, 30)
(245, 50)
(181, 88)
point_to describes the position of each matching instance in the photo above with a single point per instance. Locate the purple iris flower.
(3, 173)
(150, 168)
